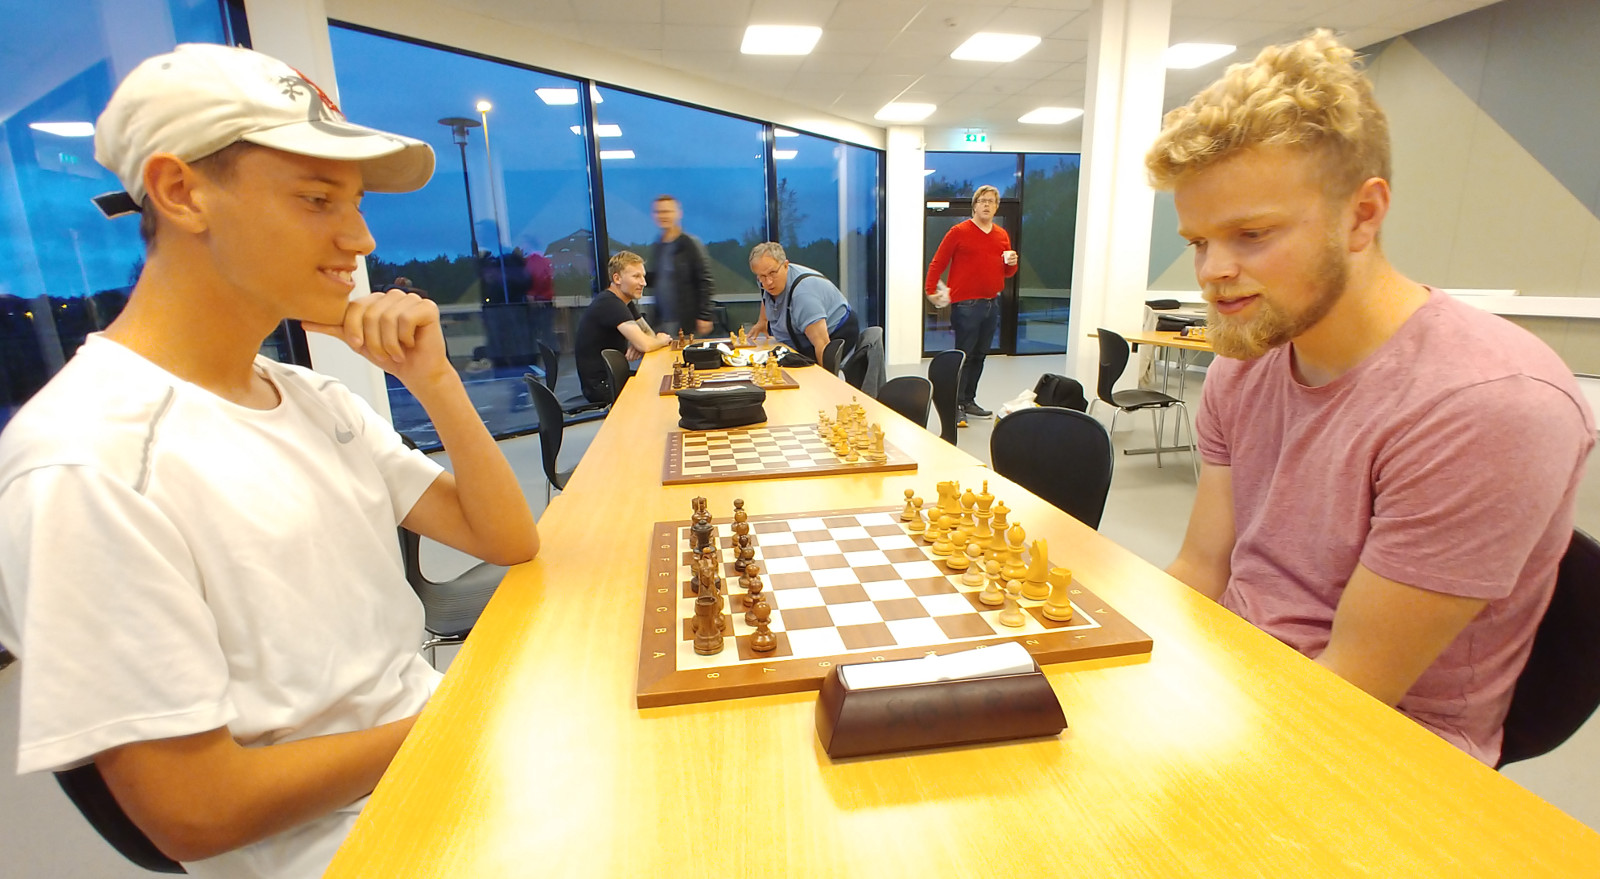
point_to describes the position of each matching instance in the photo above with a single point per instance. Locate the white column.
(1122, 116)
(296, 32)
(903, 268)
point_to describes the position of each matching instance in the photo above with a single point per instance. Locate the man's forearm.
(1200, 578)
(817, 332)
(199, 796)
(488, 493)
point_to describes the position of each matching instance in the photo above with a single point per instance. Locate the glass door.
(939, 217)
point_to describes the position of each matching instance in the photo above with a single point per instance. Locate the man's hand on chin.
(396, 331)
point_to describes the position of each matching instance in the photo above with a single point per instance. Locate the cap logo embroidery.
(295, 86)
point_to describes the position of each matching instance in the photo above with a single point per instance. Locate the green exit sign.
(977, 137)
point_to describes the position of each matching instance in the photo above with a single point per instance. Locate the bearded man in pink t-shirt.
(1389, 476)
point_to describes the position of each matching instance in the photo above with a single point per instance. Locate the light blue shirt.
(811, 297)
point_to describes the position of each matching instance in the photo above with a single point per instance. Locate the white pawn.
(974, 573)
(942, 547)
(917, 526)
(991, 594)
(1011, 614)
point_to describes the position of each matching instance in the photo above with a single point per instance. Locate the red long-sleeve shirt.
(976, 259)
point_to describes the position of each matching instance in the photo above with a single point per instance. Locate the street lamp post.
(458, 129)
(483, 108)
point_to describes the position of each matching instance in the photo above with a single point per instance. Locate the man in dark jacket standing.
(680, 273)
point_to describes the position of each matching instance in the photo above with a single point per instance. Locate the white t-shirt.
(171, 562)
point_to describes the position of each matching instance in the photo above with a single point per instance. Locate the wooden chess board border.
(660, 683)
(717, 377)
(672, 466)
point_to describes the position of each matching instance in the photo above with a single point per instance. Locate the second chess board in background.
(776, 451)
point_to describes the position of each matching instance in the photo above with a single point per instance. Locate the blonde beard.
(1248, 338)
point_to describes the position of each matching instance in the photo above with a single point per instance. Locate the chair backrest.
(617, 369)
(1113, 360)
(550, 423)
(87, 790)
(944, 373)
(909, 395)
(864, 368)
(550, 362)
(1559, 688)
(831, 354)
(1061, 455)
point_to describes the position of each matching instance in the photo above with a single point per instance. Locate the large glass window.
(502, 237)
(713, 164)
(956, 175)
(1039, 209)
(828, 195)
(65, 270)
(1044, 267)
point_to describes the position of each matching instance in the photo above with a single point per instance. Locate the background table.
(1222, 753)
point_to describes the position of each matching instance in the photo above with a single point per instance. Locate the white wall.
(903, 225)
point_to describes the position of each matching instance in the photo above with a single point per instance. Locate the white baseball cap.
(201, 97)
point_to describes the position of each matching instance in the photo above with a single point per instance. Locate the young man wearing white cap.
(198, 564)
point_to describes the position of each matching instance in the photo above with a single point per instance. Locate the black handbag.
(702, 357)
(723, 406)
(1058, 390)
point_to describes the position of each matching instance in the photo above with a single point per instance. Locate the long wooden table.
(1222, 753)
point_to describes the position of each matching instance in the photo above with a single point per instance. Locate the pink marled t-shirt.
(1447, 460)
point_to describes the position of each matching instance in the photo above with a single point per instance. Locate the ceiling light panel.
(995, 47)
(64, 129)
(1188, 56)
(895, 111)
(1050, 115)
(780, 39)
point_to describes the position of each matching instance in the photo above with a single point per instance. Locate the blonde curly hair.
(1309, 94)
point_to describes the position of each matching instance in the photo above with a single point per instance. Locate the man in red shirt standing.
(979, 256)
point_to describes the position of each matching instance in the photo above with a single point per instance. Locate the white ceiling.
(875, 51)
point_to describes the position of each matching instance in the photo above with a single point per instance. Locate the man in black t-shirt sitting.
(612, 321)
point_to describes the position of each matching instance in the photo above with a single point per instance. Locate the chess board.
(844, 586)
(773, 451)
(728, 376)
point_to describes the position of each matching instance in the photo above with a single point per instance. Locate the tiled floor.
(42, 837)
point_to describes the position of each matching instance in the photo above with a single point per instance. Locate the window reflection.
(713, 164)
(67, 269)
(502, 236)
(828, 195)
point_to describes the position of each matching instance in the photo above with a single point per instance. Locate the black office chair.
(1061, 455)
(550, 361)
(1114, 353)
(831, 353)
(944, 373)
(618, 371)
(1559, 688)
(909, 395)
(450, 607)
(551, 427)
(87, 790)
